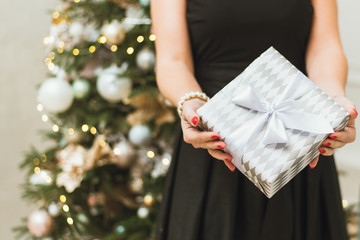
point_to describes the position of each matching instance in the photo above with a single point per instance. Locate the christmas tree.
(110, 127)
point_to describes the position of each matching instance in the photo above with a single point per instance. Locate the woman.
(201, 46)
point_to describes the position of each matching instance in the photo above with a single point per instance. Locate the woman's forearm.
(175, 79)
(327, 68)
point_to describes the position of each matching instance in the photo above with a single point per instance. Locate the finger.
(346, 136)
(333, 143)
(189, 111)
(353, 113)
(220, 155)
(314, 162)
(326, 151)
(195, 136)
(210, 145)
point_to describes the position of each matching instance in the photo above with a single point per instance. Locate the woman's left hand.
(339, 139)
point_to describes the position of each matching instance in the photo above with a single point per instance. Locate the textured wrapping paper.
(272, 119)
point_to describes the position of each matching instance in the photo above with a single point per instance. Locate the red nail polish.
(322, 151)
(228, 159)
(215, 137)
(327, 144)
(312, 167)
(355, 112)
(232, 169)
(195, 120)
(333, 137)
(221, 147)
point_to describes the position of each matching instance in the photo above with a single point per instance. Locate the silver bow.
(275, 117)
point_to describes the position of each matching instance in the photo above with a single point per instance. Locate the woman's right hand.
(202, 139)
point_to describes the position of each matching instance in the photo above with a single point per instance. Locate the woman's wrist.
(189, 96)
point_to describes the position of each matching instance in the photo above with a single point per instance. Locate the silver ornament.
(81, 88)
(111, 87)
(114, 32)
(145, 59)
(143, 212)
(124, 152)
(76, 29)
(44, 177)
(56, 95)
(40, 223)
(139, 134)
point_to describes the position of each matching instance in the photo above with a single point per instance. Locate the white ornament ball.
(143, 212)
(76, 29)
(125, 153)
(113, 88)
(139, 134)
(144, 3)
(114, 32)
(40, 223)
(44, 177)
(145, 59)
(54, 209)
(56, 95)
(81, 88)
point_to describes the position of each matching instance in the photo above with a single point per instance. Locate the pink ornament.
(40, 223)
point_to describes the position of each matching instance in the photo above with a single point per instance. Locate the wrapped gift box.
(272, 119)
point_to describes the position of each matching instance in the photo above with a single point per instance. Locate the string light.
(55, 15)
(36, 161)
(46, 40)
(117, 151)
(102, 143)
(150, 154)
(345, 203)
(70, 221)
(51, 66)
(47, 61)
(62, 198)
(152, 37)
(39, 107)
(36, 170)
(102, 39)
(85, 128)
(66, 208)
(44, 158)
(93, 130)
(55, 128)
(76, 1)
(60, 50)
(61, 44)
(92, 49)
(76, 51)
(71, 131)
(165, 161)
(130, 50)
(113, 48)
(52, 55)
(44, 117)
(140, 39)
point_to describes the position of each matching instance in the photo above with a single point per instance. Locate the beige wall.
(24, 23)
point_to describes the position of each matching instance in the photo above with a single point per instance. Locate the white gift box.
(273, 119)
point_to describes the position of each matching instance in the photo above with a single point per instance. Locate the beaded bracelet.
(188, 96)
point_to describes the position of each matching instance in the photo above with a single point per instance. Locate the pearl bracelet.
(188, 96)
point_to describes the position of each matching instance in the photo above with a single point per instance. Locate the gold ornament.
(149, 108)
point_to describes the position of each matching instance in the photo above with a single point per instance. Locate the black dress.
(202, 199)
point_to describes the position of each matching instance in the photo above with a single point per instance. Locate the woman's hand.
(200, 139)
(339, 139)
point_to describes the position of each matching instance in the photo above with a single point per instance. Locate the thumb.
(353, 113)
(189, 113)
